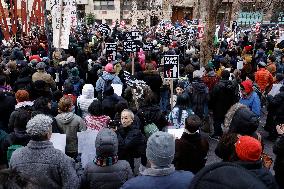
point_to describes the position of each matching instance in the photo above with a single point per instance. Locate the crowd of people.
(71, 91)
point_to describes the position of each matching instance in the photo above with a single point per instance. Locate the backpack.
(107, 84)
(149, 129)
(77, 88)
(11, 149)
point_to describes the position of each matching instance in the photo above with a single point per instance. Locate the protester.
(42, 75)
(106, 171)
(69, 123)
(192, 148)
(250, 98)
(222, 97)
(96, 120)
(263, 78)
(84, 100)
(162, 174)
(180, 112)
(131, 140)
(55, 170)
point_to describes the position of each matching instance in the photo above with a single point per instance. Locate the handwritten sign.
(111, 51)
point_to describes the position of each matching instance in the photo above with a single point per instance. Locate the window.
(142, 5)
(127, 4)
(109, 22)
(104, 5)
(98, 21)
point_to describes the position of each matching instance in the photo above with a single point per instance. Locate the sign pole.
(132, 64)
(172, 93)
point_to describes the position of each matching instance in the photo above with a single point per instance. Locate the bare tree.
(207, 47)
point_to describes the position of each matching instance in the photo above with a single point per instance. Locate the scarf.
(105, 161)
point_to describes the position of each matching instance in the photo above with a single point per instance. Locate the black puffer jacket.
(199, 96)
(7, 106)
(277, 107)
(131, 143)
(23, 83)
(224, 94)
(217, 176)
(278, 150)
(263, 174)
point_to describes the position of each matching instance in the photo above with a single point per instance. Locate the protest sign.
(177, 133)
(86, 145)
(59, 141)
(148, 46)
(104, 29)
(111, 51)
(117, 89)
(171, 66)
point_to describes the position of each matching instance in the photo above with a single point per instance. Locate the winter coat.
(97, 122)
(131, 142)
(7, 106)
(224, 94)
(77, 84)
(40, 75)
(219, 176)
(152, 114)
(69, 124)
(280, 67)
(191, 152)
(83, 102)
(173, 117)
(108, 104)
(199, 97)
(20, 117)
(253, 103)
(262, 173)
(167, 178)
(278, 150)
(276, 106)
(47, 165)
(241, 120)
(263, 78)
(210, 80)
(105, 77)
(109, 177)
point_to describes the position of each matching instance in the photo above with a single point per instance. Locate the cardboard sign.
(59, 141)
(171, 66)
(111, 51)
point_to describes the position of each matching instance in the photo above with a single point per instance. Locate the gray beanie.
(161, 149)
(39, 125)
(40, 66)
(106, 143)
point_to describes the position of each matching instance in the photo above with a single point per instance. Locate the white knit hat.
(88, 90)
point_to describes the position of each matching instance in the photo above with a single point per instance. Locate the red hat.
(248, 148)
(248, 86)
(248, 48)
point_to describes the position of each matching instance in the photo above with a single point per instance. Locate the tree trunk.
(207, 43)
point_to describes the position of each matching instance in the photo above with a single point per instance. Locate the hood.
(88, 91)
(199, 86)
(65, 118)
(239, 119)
(211, 74)
(24, 104)
(74, 79)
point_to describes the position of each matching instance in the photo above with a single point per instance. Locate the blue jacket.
(105, 77)
(160, 179)
(253, 102)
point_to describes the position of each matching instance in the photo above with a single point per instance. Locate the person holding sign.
(40, 160)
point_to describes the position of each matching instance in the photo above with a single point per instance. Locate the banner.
(24, 16)
(3, 23)
(14, 16)
(63, 12)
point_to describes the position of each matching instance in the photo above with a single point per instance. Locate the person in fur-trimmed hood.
(239, 119)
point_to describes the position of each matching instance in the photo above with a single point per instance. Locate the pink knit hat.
(109, 68)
